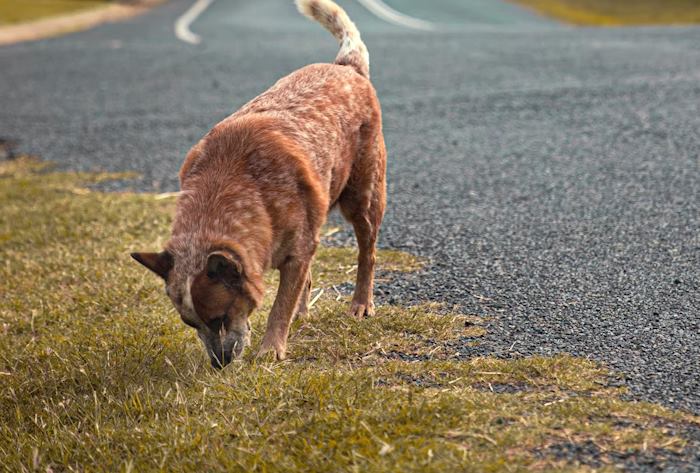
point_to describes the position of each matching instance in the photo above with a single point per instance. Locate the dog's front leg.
(293, 277)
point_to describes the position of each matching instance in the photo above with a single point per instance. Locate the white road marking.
(182, 25)
(386, 13)
(378, 7)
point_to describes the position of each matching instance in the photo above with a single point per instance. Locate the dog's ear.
(225, 268)
(229, 264)
(160, 263)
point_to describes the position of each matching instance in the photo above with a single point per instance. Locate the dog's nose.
(218, 363)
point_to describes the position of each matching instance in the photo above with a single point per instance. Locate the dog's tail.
(353, 51)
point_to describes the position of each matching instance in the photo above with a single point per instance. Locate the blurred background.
(582, 12)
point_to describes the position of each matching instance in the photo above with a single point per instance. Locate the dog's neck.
(209, 212)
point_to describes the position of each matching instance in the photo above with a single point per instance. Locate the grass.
(20, 11)
(618, 12)
(97, 373)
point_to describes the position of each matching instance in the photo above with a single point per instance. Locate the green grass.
(97, 373)
(618, 12)
(20, 11)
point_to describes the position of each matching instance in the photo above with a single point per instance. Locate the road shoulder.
(73, 22)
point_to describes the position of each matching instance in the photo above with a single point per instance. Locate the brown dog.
(258, 187)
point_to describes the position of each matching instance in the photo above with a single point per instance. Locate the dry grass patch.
(98, 374)
(423, 332)
(618, 12)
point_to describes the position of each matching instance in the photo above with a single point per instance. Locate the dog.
(256, 190)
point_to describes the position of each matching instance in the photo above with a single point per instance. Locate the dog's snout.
(224, 346)
(218, 362)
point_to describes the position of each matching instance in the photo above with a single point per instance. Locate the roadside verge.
(72, 22)
(621, 13)
(97, 372)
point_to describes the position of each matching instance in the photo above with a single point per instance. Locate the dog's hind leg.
(303, 305)
(362, 204)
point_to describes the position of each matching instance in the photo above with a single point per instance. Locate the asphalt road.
(551, 174)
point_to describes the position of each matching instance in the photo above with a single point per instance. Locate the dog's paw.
(360, 310)
(271, 345)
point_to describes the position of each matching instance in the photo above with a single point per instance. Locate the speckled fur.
(258, 187)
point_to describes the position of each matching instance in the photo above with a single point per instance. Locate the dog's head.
(214, 292)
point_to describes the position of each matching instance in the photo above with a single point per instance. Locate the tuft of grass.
(424, 332)
(97, 373)
(618, 12)
(20, 11)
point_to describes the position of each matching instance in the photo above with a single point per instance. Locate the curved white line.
(182, 25)
(386, 13)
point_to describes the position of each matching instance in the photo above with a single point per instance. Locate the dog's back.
(330, 111)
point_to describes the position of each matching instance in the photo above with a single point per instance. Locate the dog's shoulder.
(258, 145)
